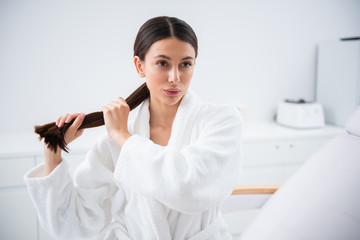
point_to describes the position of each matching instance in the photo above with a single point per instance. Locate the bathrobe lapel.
(182, 125)
(184, 120)
(180, 137)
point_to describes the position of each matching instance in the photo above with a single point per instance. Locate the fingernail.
(82, 116)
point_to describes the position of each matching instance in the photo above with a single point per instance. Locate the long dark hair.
(153, 30)
(158, 28)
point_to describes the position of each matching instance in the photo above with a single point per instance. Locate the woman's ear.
(139, 65)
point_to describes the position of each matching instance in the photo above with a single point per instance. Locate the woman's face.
(168, 68)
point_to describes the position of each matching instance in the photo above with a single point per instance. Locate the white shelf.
(270, 131)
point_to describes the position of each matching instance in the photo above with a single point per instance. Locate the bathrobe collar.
(183, 122)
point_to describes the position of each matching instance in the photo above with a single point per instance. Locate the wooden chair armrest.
(256, 189)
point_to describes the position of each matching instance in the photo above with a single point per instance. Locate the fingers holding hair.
(73, 131)
(66, 118)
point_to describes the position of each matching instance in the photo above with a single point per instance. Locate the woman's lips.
(172, 92)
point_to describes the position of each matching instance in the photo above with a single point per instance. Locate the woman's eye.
(186, 64)
(162, 63)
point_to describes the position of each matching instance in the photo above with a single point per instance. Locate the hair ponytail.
(54, 135)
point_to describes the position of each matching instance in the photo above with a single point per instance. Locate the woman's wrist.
(51, 160)
(121, 138)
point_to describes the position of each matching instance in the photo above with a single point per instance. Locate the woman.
(163, 176)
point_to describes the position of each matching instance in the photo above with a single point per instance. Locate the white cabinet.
(272, 153)
(18, 217)
(17, 214)
(272, 162)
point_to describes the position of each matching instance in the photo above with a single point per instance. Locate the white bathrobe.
(143, 190)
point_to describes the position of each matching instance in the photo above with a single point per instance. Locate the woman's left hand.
(116, 115)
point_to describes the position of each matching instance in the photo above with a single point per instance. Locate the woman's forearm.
(51, 160)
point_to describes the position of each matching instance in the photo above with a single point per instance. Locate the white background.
(76, 56)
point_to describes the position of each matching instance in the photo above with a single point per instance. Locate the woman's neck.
(162, 115)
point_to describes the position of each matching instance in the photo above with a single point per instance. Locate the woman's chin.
(173, 100)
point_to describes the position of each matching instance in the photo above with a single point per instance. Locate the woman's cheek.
(158, 77)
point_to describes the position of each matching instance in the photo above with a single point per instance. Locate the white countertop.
(268, 131)
(28, 144)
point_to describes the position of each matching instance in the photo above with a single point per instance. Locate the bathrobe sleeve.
(82, 209)
(195, 178)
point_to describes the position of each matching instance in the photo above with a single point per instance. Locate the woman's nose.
(174, 75)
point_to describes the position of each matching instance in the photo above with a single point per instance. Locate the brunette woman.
(163, 175)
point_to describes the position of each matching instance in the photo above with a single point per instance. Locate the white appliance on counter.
(338, 79)
(300, 114)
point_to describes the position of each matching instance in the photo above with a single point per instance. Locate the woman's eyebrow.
(188, 57)
(168, 58)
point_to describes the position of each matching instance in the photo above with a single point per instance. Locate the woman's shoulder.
(217, 110)
(220, 111)
(219, 118)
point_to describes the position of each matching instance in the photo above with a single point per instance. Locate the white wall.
(75, 56)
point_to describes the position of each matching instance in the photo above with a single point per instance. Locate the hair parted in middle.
(159, 28)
